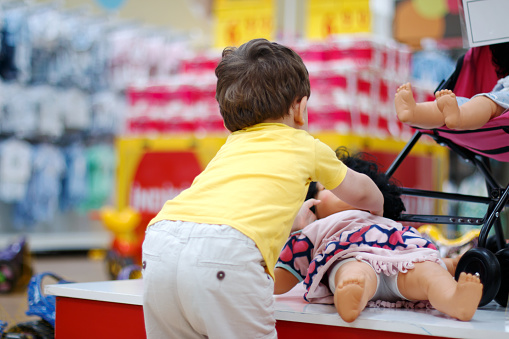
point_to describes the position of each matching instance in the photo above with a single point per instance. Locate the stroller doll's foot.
(447, 104)
(467, 296)
(405, 103)
(350, 298)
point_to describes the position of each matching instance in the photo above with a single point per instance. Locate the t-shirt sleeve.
(329, 170)
(296, 255)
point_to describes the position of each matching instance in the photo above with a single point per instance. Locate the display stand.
(112, 309)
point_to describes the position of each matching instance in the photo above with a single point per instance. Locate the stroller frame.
(496, 199)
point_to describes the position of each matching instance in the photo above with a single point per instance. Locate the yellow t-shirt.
(256, 184)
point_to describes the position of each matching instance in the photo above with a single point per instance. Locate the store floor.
(78, 267)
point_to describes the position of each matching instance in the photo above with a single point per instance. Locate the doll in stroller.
(478, 139)
(458, 113)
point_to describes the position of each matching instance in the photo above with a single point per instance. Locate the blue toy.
(3, 325)
(41, 305)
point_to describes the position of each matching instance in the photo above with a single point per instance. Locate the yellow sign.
(330, 17)
(238, 21)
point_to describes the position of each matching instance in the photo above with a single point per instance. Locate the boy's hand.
(305, 216)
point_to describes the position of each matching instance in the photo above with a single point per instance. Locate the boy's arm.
(359, 191)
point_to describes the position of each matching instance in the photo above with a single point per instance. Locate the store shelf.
(61, 241)
(70, 231)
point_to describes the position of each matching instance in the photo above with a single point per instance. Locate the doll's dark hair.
(500, 59)
(366, 163)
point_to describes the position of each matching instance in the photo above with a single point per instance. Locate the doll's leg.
(473, 114)
(430, 281)
(424, 114)
(451, 264)
(356, 284)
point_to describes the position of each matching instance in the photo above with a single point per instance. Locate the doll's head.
(500, 58)
(363, 163)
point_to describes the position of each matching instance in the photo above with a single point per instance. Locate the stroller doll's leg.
(472, 115)
(356, 284)
(430, 281)
(423, 114)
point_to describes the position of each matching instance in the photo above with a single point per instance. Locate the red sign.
(161, 176)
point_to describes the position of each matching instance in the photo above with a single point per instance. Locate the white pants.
(205, 281)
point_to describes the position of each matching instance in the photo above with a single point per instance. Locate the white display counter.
(106, 308)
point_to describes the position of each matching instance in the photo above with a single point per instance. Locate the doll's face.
(329, 203)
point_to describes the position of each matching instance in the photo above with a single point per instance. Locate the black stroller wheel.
(491, 244)
(503, 291)
(483, 262)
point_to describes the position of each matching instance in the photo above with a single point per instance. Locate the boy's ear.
(300, 116)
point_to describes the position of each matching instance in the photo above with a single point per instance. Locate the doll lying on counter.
(350, 257)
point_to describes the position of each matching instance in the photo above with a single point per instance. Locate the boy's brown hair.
(260, 80)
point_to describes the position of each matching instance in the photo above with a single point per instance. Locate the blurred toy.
(126, 247)
(41, 305)
(15, 266)
(450, 248)
(130, 272)
(3, 325)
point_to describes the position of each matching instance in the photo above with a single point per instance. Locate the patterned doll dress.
(389, 249)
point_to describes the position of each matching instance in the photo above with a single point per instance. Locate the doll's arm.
(284, 281)
(359, 191)
(305, 216)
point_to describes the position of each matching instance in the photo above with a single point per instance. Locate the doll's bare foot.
(405, 103)
(447, 104)
(466, 298)
(350, 298)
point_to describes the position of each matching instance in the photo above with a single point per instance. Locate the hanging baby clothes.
(14, 55)
(19, 112)
(107, 110)
(75, 108)
(101, 164)
(15, 169)
(50, 115)
(74, 183)
(41, 201)
(430, 66)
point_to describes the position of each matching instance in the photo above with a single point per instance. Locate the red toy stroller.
(474, 74)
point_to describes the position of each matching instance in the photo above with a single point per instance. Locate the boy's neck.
(287, 120)
(296, 117)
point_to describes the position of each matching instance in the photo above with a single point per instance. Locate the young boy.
(209, 255)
